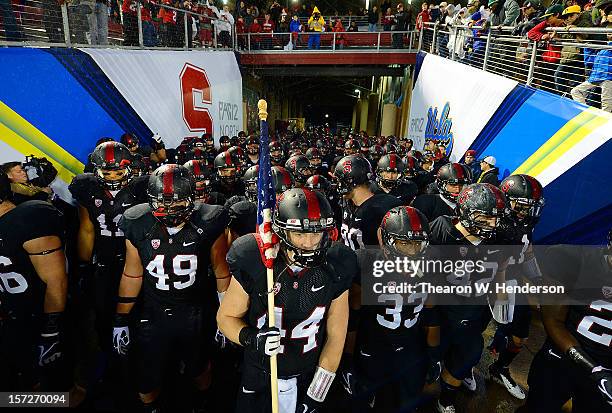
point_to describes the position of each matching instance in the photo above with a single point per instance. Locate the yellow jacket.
(317, 25)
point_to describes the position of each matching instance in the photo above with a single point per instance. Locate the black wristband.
(579, 357)
(247, 335)
(51, 323)
(126, 300)
(121, 320)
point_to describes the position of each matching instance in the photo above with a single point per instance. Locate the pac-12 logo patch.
(276, 288)
(98, 202)
(155, 243)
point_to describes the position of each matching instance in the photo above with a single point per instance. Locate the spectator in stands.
(340, 38)
(532, 12)
(168, 25)
(512, 13)
(373, 19)
(295, 27)
(284, 28)
(423, 17)
(241, 10)
(401, 24)
(473, 6)
(98, 22)
(570, 72)
(316, 25)
(388, 20)
(224, 26)
(149, 35)
(353, 27)
(267, 27)
(255, 39)
(497, 13)
(130, 23)
(275, 13)
(22, 189)
(248, 19)
(490, 172)
(458, 42)
(240, 31)
(206, 25)
(601, 76)
(549, 59)
(478, 19)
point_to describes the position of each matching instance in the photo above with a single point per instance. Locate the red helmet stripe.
(109, 153)
(458, 170)
(536, 193)
(415, 220)
(500, 201)
(312, 202)
(392, 161)
(315, 180)
(228, 158)
(197, 171)
(169, 181)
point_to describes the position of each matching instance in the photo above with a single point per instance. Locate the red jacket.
(267, 26)
(255, 28)
(129, 7)
(537, 32)
(422, 17)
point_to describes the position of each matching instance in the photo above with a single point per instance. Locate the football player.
(524, 198)
(362, 210)
(466, 238)
(575, 361)
(300, 169)
(397, 344)
(224, 143)
(405, 145)
(316, 161)
(252, 149)
(157, 154)
(321, 184)
(103, 197)
(203, 172)
(450, 180)
(277, 156)
(170, 242)
(33, 289)
(390, 179)
(226, 179)
(312, 276)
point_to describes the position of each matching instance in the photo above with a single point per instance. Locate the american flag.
(266, 198)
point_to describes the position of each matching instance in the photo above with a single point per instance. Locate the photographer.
(23, 190)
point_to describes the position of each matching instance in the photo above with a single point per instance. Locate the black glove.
(435, 365)
(347, 373)
(603, 379)
(121, 334)
(49, 345)
(265, 341)
(308, 405)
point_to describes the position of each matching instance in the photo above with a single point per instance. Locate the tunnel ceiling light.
(326, 115)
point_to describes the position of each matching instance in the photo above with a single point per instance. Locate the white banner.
(178, 94)
(452, 102)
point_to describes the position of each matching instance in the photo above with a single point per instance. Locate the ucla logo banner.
(440, 129)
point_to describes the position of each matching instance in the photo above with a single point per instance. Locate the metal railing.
(334, 41)
(90, 23)
(561, 65)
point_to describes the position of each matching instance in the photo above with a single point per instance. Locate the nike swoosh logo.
(364, 354)
(357, 219)
(247, 391)
(186, 244)
(125, 205)
(553, 354)
(314, 290)
(492, 251)
(602, 388)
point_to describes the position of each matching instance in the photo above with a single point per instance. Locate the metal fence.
(91, 23)
(560, 66)
(335, 41)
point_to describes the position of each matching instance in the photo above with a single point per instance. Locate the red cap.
(470, 152)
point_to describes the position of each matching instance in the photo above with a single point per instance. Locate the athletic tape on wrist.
(531, 269)
(320, 384)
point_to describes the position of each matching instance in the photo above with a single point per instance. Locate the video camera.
(41, 171)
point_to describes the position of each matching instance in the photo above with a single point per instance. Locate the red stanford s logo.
(196, 97)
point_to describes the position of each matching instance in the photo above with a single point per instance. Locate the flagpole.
(262, 105)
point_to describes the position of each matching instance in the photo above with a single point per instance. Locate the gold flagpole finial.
(262, 105)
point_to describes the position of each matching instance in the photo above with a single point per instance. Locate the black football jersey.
(360, 224)
(433, 206)
(301, 301)
(242, 217)
(517, 242)
(394, 322)
(405, 191)
(175, 265)
(448, 244)
(21, 289)
(105, 211)
(422, 179)
(587, 278)
(236, 189)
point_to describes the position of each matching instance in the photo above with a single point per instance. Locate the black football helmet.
(478, 202)
(390, 163)
(351, 147)
(227, 170)
(198, 142)
(339, 146)
(390, 148)
(402, 226)
(453, 174)
(224, 143)
(315, 157)
(351, 171)
(304, 211)
(240, 158)
(202, 171)
(281, 179)
(323, 146)
(412, 165)
(300, 169)
(276, 153)
(171, 192)
(112, 156)
(524, 199)
(130, 141)
(321, 184)
(197, 154)
(209, 142)
(252, 145)
(250, 183)
(376, 152)
(138, 165)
